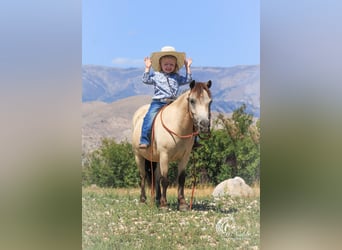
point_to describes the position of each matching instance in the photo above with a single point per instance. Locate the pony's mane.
(198, 89)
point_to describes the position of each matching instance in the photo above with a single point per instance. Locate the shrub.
(233, 149)
(112, 165)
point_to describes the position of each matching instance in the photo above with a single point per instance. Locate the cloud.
(127, 62)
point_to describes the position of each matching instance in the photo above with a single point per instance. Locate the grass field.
(114, 219)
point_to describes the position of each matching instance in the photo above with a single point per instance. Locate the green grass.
(114, 219)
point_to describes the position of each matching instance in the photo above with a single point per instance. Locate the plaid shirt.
(166, 85)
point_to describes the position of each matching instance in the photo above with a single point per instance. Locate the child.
(166, 81)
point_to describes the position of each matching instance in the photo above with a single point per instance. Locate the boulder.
(235, 187)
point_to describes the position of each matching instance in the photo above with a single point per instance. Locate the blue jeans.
(148, 121)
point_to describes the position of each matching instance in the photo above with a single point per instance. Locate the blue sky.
(214, 33)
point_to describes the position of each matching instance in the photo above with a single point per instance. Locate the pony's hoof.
(142, 200)
(183, 207)
(164, 208)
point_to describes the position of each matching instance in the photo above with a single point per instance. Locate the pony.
(172, 138)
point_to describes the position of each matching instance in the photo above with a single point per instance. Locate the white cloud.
(128, 62)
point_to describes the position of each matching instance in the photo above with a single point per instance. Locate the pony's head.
(199, 105)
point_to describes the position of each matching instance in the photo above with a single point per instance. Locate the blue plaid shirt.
(165, 85)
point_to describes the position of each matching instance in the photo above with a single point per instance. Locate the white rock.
(235, 187)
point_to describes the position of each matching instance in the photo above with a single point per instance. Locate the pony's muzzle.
(204, 126)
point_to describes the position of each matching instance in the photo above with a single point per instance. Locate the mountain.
(111, 96)
(231, 86)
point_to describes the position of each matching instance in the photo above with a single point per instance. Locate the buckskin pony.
(173, 133)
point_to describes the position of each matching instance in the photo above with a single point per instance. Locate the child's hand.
(187, 62)
(148, 62)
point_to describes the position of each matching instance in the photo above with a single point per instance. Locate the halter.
(174, 133)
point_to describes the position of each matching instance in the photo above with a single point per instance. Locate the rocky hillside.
(108, 120)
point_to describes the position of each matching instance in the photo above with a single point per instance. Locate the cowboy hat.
(167, 51)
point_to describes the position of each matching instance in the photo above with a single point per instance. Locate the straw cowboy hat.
(167, 50)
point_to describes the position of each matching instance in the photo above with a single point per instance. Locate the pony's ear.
(192, 84)
(209, 84)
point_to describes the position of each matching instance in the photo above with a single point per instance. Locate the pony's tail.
(150, 176)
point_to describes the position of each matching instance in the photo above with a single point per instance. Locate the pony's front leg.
(164, 167)
(182, 205)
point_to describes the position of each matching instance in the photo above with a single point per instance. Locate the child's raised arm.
(187, 63)
(148, 64)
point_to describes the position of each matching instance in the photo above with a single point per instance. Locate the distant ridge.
(231, 86)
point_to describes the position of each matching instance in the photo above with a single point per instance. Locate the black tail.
(148, 171)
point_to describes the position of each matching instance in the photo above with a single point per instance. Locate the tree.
(244, 159)
(232, 150)
(210, 158)
(112, 165)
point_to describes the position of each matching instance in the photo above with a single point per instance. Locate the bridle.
(195, 133)
(191, 115)
(174, 133)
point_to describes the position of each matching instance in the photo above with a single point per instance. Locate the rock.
(235, 187)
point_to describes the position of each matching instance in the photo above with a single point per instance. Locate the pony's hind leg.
(164, 167)
(152, 173)
(157, 185)
(141, 165)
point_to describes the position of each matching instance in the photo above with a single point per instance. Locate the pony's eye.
(192, 101)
